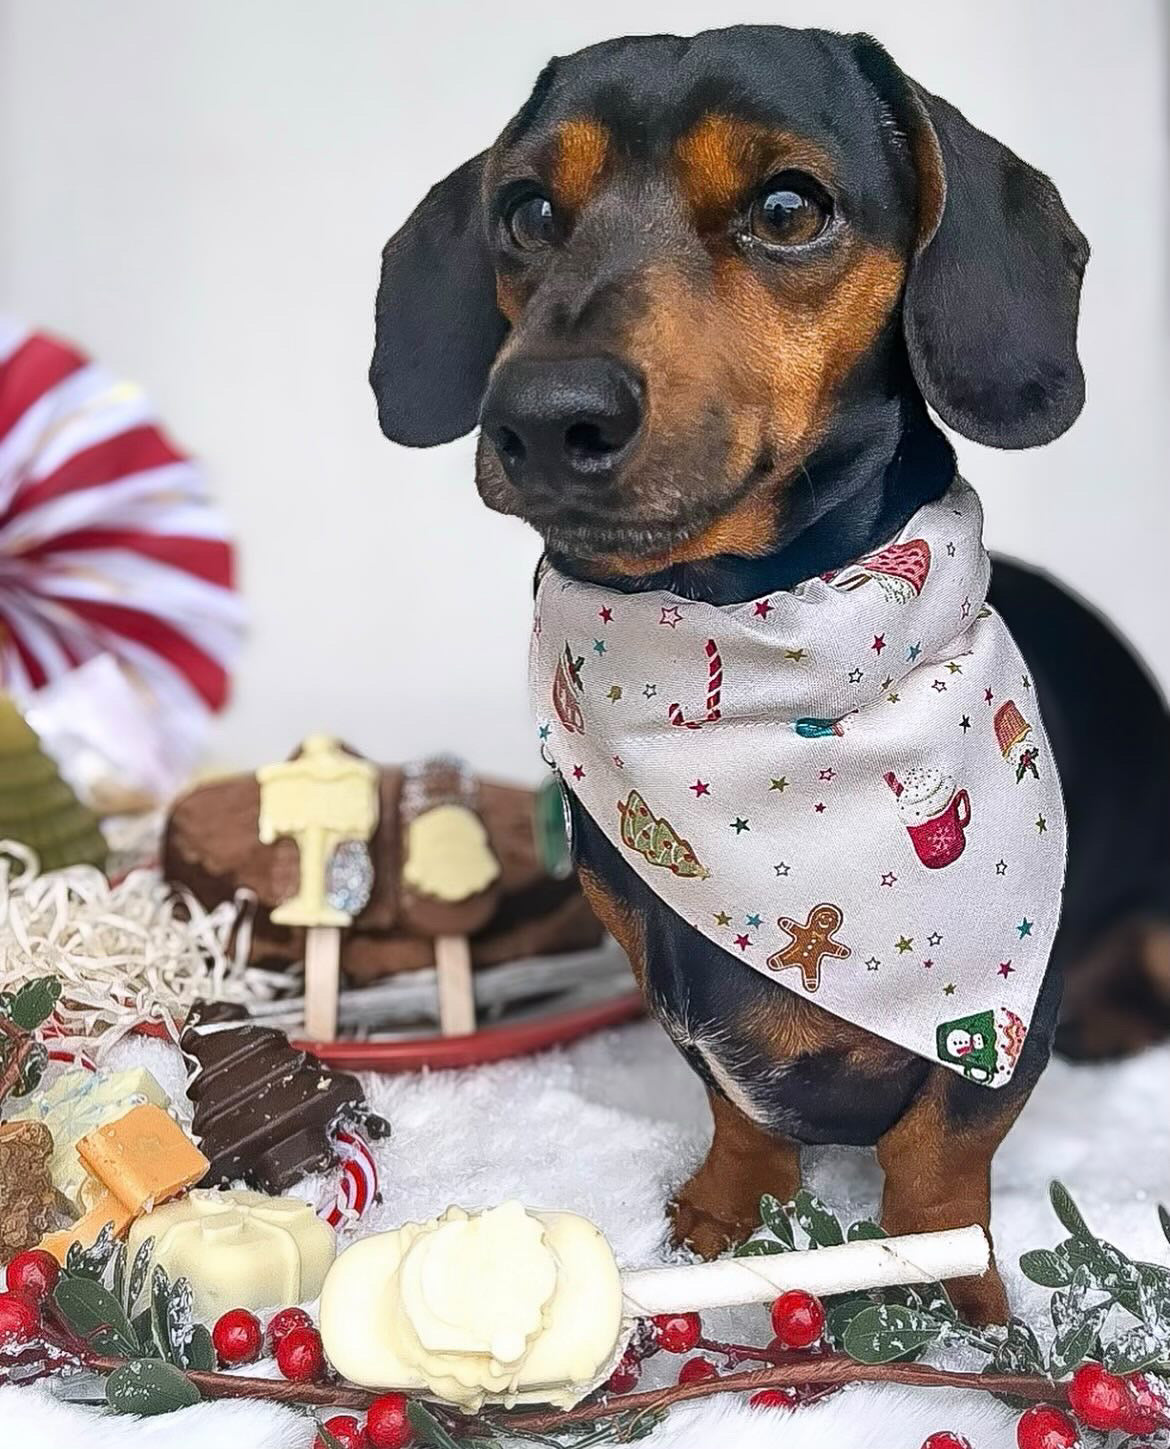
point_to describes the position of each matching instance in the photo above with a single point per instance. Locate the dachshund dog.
(701, 298)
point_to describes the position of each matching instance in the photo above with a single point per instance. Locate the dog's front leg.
(720, 1206)
(937, 1162)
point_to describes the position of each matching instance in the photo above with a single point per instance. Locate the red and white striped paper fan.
(109, 543)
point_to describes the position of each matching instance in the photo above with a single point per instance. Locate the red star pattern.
(605, 615)
(700, 787)
(829, 774)
(578, 773)
(1005, 969)
(819, 807)
(879, 643)
(763, 608)
(988, 696)
(671, 616)
(619, 762)
(743, 942)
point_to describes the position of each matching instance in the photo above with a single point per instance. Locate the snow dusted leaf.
(759, 1248)
(138, 1274)
(1077, 1342)
(1154, 1296)
(91, 1262)
(1067, 1305)
(1067, 1211)
(87, 1307)
(118, 1274)
(146, 1386)
(160, 1293)
(1019, 1353)
(1164, 1219)
(887, 1332)
(776, 1220)
(180, 1319)
(1138, 1349)
(823, 1229)
(865, 1231)
(1051, 1269)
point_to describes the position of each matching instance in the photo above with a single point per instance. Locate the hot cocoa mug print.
(934, 812)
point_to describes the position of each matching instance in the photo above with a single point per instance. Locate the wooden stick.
(456, 992)
(322, 981)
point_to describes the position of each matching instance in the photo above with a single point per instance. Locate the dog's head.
(688, 268)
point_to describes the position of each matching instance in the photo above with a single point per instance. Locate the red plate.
(492, 1044)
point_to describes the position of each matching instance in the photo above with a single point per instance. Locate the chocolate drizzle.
(264, 1112)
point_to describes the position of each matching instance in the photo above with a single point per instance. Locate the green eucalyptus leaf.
(34, 1003)
(1075, 1345)
(138, 1274)
(1051, 1269)
(759, 1248)
(427, 1429)
(146, 1386)
(865, 1231)
(87, 1307)
(199, 1351)
(144, 1331)
(160, 1292)
(887, 1332)
(775, 1218)
(118, 1274)
(1164, 1219)
(1067, 1211)
(1135, 1350)
(1020, 1352)
(840, 1313)
(823, 1229)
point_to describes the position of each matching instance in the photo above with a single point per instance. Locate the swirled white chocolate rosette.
(523, 1307)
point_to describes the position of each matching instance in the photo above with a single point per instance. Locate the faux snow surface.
(608, 1128)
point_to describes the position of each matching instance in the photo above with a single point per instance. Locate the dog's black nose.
(574, 417)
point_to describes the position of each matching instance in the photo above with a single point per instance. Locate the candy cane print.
(714, 690)
(358, 1186)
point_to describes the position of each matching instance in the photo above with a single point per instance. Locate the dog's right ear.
(437, 327)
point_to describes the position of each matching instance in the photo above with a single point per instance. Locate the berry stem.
(737, 1353)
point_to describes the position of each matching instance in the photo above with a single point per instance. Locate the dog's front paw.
(980, 1301)
(707, 1233)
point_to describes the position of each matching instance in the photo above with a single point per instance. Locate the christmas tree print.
(656, 839)
(566, 686)
(37, 807)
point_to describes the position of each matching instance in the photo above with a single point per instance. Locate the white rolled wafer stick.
(849, 1268)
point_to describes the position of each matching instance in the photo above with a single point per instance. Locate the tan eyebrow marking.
(581, 148)
(722, 156)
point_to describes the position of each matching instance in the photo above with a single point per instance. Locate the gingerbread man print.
(811, 944)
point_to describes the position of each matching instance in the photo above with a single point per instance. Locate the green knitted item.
(37, 807)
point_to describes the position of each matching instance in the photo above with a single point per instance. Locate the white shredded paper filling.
(128, 953)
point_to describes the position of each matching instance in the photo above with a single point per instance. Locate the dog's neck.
(856, 494)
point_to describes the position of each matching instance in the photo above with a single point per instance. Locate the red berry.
(20, 1318)
(677, 1332)
(34, 1274)
(947, 1440)
(346, 1430)
(387, 1426)
(625, 1377)
(798, 1319)
(1098, 1398)
(237, 1337)
(283, 1323)
(1043, 1427)
(1147, 1410)
(299, 1355)
(697, 1370)
(774, 1399)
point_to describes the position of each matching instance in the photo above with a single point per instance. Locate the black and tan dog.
(699, 297)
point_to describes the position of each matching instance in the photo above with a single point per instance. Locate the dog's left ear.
(437, 326)
(993, 292)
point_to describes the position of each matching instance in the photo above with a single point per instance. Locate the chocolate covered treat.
(263, 1110)
(27, 1196)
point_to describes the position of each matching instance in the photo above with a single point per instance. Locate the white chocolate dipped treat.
(520, 1306)
(238, 1249)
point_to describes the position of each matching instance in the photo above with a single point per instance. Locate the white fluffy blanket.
(608, 1128)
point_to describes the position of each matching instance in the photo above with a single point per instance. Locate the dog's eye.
(531, 222)
(792, 210)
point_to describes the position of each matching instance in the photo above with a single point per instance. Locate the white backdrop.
(199, 194)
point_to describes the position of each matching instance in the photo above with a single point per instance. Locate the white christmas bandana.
(846, 786)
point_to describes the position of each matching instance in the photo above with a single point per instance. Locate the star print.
(796, 654)
(1025, 681)
(1001, 867)
(954, 667)
(950, 550)
(914, 651)
(763, 608)
(650, 691)
(965, 723)
(965, 609)
(743, 942)
(615, 692)
(872, 964)
(928, 963)
(671, 616)
(605, 615)
(619, 762)
(700, 787)
(879, 643)
(949, 989)
(578, 773)
(856, 676)
(1025, 927)
(782, 869)
(939, 686)
(537, 625)
(819, 807)
(904, 944)
(781, 784)
(935, 938)
(887, 681)
(1041, 824)
(893, 698)
(754, 921)
(1006, 968)
(599, 646)
(889, 878)
(739, 825)
(829, 774)
(722, 918)
(988, 696)
(544, 731)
